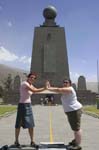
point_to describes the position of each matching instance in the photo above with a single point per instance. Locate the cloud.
(6, 55)
(74, 74)
(25, 59)
(89, 77)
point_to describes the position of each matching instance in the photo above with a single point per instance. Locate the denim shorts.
(74, 118)
(24, 116)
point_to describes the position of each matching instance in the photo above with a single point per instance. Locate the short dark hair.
(32, 73)
(69, 80)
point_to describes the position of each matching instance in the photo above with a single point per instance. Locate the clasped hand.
(47, 85)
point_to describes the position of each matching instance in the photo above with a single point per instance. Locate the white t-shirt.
(25, 94)
(70, 102)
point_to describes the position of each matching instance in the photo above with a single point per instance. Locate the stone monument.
(86, 97)
(49, 52)
(82, 83)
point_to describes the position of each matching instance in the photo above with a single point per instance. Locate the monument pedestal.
(49, 52)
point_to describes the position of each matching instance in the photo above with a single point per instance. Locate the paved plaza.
(51, 125)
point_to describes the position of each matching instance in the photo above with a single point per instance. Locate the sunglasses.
(33, 77)
(66, 82)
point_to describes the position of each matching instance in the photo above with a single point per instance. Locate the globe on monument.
(50, 12)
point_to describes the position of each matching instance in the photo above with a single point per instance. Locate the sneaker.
(76, 147)
(73, 142)
(16, 144)
(33, 144)
(5, 147)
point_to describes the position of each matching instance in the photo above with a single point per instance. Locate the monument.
(85, 96)
(49, 52)
(82, 83)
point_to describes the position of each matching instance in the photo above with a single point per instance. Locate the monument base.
(41, 146)
(52, 145)
(38, 98)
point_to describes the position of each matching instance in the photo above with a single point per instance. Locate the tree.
(8, 83)
(1, 91)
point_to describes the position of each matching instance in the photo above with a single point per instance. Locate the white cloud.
(9, 24)
(6, 55)
(74, 76)
(25, 59)
(89, 77)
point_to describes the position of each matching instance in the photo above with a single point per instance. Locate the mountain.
(93, 86)
(6, 70)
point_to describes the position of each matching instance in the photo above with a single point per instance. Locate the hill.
(92, 86)
(5, 70)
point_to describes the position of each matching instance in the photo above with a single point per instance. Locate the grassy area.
(6, 109)
(92, 109)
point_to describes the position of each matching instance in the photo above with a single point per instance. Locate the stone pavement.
(61, 131)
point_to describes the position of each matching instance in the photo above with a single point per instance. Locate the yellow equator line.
(51, 131)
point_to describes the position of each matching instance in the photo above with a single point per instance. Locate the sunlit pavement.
(51, 125)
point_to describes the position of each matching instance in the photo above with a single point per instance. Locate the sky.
(80, 18)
